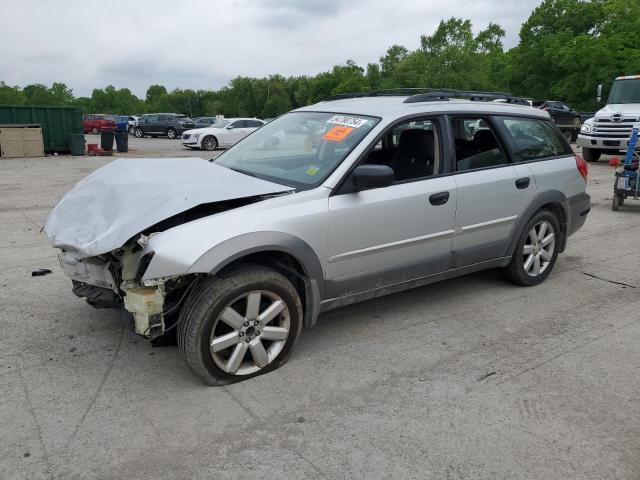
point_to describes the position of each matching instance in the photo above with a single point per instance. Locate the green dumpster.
(76, 143)
(56, 122)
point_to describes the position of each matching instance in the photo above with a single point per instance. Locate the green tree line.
(566, 48)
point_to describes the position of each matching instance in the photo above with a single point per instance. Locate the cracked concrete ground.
(472, 378)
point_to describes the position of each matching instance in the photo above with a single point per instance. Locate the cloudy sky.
(203, 43)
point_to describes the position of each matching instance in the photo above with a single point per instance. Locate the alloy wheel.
(538, 248)
(209, 143)
(244, 343)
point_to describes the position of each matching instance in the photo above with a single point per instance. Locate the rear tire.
(138, 133)
(536, 251)
(217, 327)
(618, 200)
(591, 155)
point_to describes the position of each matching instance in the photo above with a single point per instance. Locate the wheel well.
(561, 215)
(281, 262)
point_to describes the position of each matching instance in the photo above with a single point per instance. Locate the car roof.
(394, 106)
(241, 118)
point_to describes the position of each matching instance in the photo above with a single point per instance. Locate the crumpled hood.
(123, 198)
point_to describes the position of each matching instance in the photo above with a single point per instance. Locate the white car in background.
(133, 123)
(223, 133)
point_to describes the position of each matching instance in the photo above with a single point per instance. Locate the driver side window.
(410, 149)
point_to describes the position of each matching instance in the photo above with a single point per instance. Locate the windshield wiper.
(244, 172)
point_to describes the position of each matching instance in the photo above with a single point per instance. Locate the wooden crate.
(19, 141)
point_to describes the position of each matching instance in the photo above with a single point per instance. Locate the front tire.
(591, 155)
(536, 250)
(209, 143)
(138, 133)
(239, 325)
(171, 133)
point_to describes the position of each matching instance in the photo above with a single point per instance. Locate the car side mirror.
(373, 176)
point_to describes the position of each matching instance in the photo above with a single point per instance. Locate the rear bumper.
(579, 208)
(602, 143)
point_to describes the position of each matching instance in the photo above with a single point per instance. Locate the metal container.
(57, 123)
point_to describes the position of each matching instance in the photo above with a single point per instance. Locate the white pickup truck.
(608, 132)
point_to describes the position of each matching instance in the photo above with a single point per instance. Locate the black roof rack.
(416, 95)
(389, 92)
(446, 94)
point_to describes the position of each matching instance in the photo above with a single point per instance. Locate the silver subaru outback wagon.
(342, 201)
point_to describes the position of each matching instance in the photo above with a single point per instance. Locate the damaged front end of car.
(103, 226)
(114, 280)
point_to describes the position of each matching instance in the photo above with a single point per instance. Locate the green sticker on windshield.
(312, 170)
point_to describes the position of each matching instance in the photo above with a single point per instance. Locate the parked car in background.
(203, 122)
(133, 123)
(224, 133)
(566, 118)
(97, 122)
(122, 123)
(162, 124)
(584, 116)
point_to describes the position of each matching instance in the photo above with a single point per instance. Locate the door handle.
(439, 198)
(523, 183)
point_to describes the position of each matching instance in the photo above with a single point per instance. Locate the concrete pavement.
(472, 378)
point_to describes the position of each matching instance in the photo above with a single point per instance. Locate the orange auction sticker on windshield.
(338, 133)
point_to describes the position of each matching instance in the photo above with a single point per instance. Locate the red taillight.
(583, 167)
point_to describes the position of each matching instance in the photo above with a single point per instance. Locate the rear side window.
(476, 144)
(533, 139)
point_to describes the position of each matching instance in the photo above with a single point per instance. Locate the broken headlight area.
(114, 281)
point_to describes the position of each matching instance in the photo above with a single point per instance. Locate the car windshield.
(299, 149)
(625, 91)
